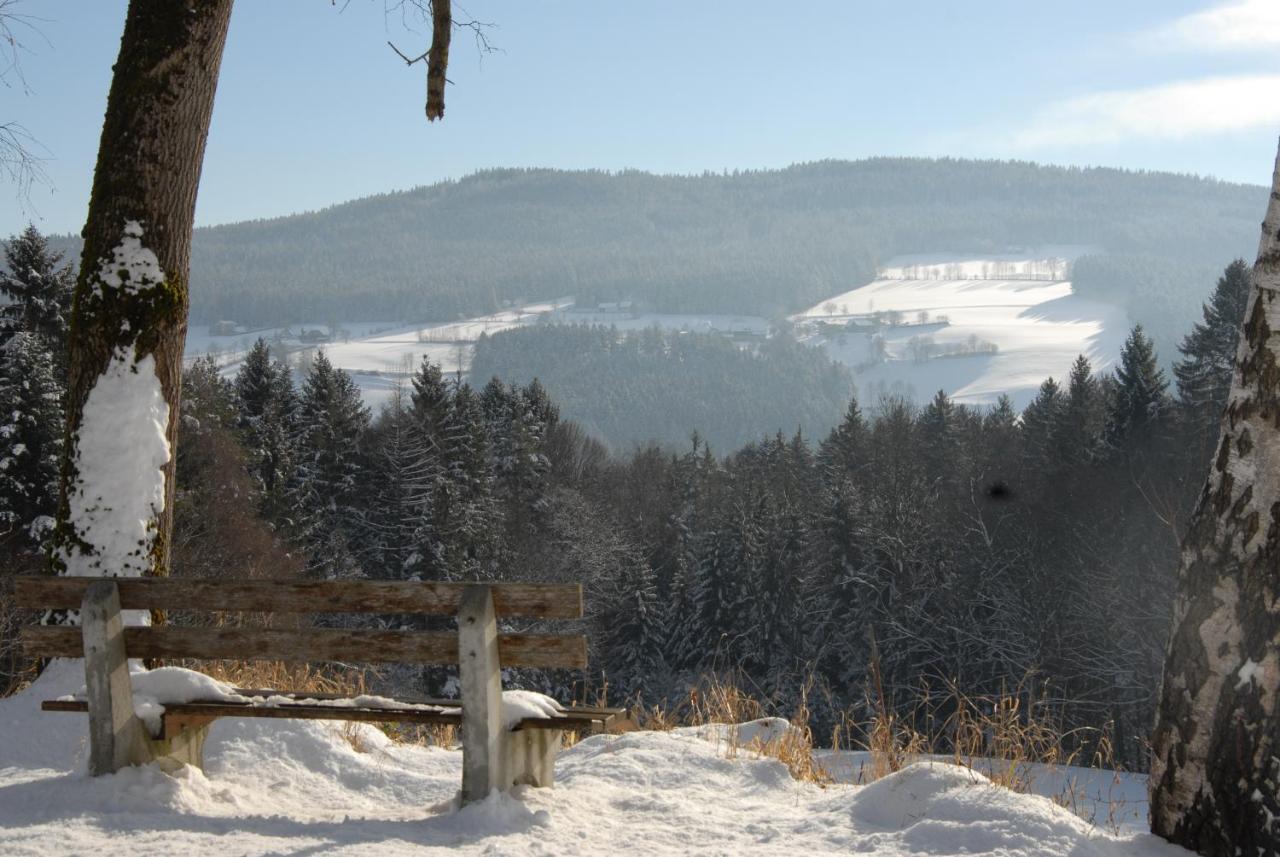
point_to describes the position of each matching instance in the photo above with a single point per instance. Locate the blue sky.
(314, 109)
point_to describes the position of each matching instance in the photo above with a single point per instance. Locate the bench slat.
(415, 700)
(312, 644)
(570, 719)
(538, 600)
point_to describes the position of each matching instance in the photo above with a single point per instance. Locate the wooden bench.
(493, 757)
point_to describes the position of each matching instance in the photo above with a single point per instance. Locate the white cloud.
(1175, 111)
(1230, 26)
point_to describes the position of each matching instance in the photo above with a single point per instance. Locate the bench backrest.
(535, 600)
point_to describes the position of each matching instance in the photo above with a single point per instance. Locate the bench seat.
(311, 706)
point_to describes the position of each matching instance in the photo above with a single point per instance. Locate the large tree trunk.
(130, 313)
(1215, 767)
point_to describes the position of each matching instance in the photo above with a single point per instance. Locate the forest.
(952, 548)
(632, 389)
(764, 242)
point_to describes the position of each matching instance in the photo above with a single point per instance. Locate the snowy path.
(298, 788)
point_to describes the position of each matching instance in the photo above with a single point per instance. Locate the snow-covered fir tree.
(36, 288)
(332, 420)
(268, 407)
(31, 439)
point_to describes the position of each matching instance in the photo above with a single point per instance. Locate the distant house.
(223, 328)
(313, 336)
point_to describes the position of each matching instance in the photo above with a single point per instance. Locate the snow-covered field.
(1007, 327)
(380, 355)
(296, 787)
(1037, 328)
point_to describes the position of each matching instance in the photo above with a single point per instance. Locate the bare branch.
(443, 23)
(438, 57)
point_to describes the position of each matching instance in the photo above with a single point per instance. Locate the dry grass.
(279, 675)
(1004, 737)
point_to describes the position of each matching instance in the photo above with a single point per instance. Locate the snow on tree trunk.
(1216, 746)
(130, 307)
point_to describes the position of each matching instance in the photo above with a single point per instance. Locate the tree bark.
(129, 317)
(1216, 746)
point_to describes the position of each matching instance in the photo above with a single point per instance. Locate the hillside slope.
(756, 243)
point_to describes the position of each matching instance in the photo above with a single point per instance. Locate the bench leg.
(531, 756)
(116, 737)
(180, 744)
(482, 736)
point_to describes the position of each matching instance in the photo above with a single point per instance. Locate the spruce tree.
(401, 477)
(37, 292)
(845, 449)
(1141, 399)
(31, 431)
(332, 421)
(430, 400)
(635, 631)
(268, 412)
(467, 517)
(1209, 350)
(1080, 426)
(939, 439)
(1040, 423)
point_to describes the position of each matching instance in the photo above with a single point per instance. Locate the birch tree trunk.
(1216, 746)
(129, 316)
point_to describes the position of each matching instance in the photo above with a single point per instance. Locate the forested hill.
(761, 242)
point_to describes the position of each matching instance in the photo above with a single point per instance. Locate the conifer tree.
(430, 400)
(636, 633)
(468, 522)
(1080, 426)
(1208, 351)
(331, 425)
(845, 449)
(37, 292)
(1141, 398)
(403, 472)
(1040, 422)
(268, 411)
(939, 439)
(31, 440)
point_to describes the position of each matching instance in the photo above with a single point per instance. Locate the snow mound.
(754, 733)
(941, 808)
(306, 787)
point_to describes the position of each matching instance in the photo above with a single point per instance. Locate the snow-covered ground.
(1037, 328)
(298, 787)
(381, 355)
